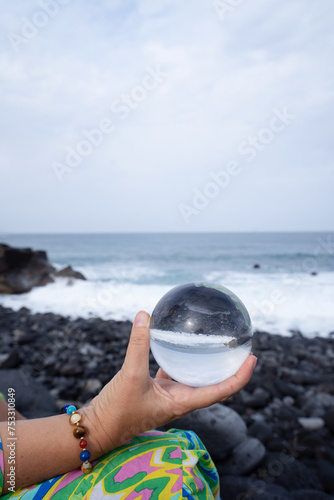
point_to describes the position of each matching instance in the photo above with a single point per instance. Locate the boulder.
(327, 400)
(311, 423)
(23, 268)
(245, 457)
(287, 388)
(31, 398)
(68, 272)
(243, 488)
(329, 420)
(310, 495)
(262, 431)
(326, 474)
(13, 360)
(219, 427)
(292, 475)
(258, 399)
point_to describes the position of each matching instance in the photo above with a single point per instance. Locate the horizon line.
(289, 231)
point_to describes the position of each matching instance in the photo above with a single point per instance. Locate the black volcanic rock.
(293, 475)
(12, 361)
(31, 398)
(310, 495)
(239, 487)
(23, 268)
(293, 380)
(68, 272)
(219, 427)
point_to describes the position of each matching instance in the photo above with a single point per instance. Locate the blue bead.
(70, 409)
(84, 456)
(64, 408)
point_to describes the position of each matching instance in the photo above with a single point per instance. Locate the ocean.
(292, 289)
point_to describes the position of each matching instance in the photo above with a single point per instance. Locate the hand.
(132, 402)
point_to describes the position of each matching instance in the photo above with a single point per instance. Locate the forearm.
(131, 403)
(45, 448)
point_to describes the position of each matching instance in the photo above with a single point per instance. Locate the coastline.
(288, 402)
(285, 281)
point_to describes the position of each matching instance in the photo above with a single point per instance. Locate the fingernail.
(141, 319)
(254, 362)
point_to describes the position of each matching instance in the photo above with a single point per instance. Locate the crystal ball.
(200, 333)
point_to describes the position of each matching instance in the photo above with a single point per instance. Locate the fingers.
(209, 395)
(137, 354)
(162, 374)
(234, 384)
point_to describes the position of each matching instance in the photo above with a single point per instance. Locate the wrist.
(101, 438)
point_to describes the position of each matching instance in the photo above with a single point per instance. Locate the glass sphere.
(200, 333)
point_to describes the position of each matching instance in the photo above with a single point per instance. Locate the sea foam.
(277, 303)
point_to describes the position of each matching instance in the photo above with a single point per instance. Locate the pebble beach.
(273, 440)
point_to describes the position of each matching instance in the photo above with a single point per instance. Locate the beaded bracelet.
(79, 431)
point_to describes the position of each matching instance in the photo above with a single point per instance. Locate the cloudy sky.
(166, 115)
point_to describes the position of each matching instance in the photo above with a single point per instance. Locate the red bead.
(83, 443)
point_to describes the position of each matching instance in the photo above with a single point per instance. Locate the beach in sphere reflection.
(200, 333)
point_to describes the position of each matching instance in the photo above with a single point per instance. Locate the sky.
(166, 116)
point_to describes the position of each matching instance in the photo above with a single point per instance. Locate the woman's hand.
(132, 402)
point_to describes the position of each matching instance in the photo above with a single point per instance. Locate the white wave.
(280, 303)
(190, 339)
(119, 272)
(276, 303)
(108, 300)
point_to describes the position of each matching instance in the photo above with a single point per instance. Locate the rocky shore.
(22, 269)
(273, 440)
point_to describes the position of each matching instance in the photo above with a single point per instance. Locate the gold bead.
(75, 418)
(86, 467)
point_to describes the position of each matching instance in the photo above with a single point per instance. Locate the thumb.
(137, 355)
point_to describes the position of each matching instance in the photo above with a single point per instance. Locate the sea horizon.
(288, 231)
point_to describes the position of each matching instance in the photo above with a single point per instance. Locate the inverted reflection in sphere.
(200, 333)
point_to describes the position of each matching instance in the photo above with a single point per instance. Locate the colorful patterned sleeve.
(173, 465)
(1, 467)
